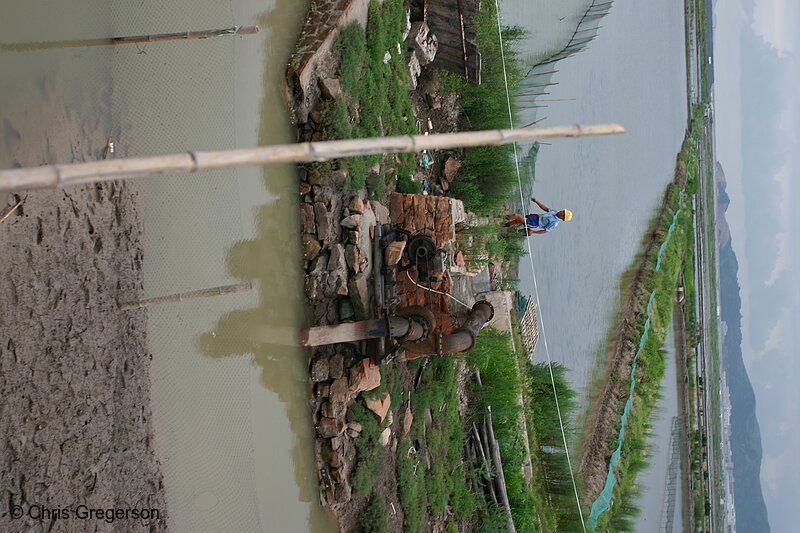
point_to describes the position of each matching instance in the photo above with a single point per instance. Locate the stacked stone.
(323, 18)
(336, 254)
(339, 376)
(432, 214)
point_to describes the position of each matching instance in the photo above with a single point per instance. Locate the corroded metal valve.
(411, 326)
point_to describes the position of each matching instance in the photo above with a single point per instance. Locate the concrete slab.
(365, 239)
(503, 302)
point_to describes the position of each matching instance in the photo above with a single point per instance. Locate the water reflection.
(633, 73)
(47, 45)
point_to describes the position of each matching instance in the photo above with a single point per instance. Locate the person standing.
(538, 224)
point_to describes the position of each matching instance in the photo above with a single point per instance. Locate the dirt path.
(74, 390)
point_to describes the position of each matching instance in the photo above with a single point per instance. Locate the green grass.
(426, 494)
(551, 468)
(375, 518)
(545, 504)
(370, 453)
(380, 107)
(489, 174)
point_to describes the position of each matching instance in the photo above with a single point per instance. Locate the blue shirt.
(547, 221)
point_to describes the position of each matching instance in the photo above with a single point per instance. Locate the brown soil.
(74, 416)
(603, 421)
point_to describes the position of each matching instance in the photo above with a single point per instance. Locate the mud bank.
(74, 415)
(74, 369)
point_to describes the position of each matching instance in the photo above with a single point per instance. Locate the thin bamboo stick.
(501, 478)
(191, 295)
(82, 43)
(52, 176)
(202, 34)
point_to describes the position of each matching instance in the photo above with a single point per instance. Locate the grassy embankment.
(677, 255)
(433, 478)
(546, 503)
(439, 489)
(488, 178)
(378, 108)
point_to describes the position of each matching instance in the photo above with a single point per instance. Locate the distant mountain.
(722, 203)
(751, 511)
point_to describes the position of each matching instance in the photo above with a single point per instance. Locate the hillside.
(751, 510)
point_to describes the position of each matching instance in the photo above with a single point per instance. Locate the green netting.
(603, 501)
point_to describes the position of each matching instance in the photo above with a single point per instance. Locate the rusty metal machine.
(411, 327)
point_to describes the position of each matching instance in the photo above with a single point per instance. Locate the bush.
(375, 518)
(489, 172)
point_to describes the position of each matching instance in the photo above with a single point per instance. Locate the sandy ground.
(75, 423)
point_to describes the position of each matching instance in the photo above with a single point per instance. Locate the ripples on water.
(232, 429)
(633, 73)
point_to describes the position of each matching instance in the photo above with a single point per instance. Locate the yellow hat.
(567, 215)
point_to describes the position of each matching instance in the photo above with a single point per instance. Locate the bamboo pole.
(501, 478)
(52, 176)
(203, 34)
(191, 295)
(82, 43)
(480, 456)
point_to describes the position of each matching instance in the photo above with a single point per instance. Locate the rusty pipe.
(461, 340)
(409, 324)
(354, 331)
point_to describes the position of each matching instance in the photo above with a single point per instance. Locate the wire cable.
(434, 290)
(533, 271)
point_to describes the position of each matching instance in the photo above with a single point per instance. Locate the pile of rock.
(337, 235)
(339, 377)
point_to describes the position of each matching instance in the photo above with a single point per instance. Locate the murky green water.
(633, 73)
(232, 428)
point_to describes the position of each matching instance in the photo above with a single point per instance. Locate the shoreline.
(75, 369)
(613, 390)
(76, 409)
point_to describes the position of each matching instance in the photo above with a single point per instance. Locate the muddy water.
(232, 429)
(633, 73)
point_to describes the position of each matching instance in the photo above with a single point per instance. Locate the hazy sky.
(757, 91)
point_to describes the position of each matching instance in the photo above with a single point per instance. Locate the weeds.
(371, 454)
(426, 493)
(378, 108)
(375, 518)
(489, 172)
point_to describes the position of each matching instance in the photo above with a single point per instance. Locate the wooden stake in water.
(191, 295)
(203, 34)
(82, 43)
(51, 176)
